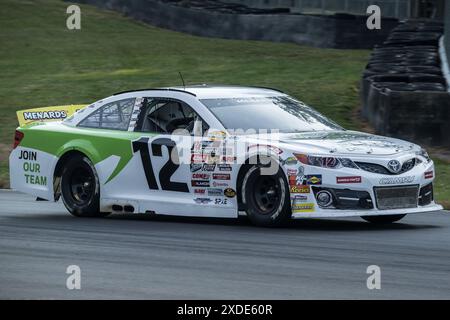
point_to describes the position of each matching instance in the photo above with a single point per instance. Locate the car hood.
(343, 143)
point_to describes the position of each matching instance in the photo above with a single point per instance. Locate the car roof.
(207, 91)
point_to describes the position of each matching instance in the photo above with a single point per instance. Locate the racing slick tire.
(266, 198)
(80, 188)
(384, 219)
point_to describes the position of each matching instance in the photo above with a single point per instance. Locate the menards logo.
(51, 113)
(45, 115)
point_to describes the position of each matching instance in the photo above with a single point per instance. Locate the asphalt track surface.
(145, 257)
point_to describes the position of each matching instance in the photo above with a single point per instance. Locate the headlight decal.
(325, 162)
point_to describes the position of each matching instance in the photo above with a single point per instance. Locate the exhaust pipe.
(117, 208)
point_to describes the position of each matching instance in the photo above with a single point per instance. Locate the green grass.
(442, 183)
(42, 63)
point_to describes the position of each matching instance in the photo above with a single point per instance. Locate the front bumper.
(349, 183)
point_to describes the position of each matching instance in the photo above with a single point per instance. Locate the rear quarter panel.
(33, 162)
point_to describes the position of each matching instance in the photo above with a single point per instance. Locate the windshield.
(281, 113)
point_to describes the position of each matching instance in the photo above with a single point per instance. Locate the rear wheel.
(266, 198)
(80, 189)
(384, 219)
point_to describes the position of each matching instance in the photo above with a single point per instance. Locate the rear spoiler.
(45, 114)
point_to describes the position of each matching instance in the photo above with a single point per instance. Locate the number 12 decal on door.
(168, 169)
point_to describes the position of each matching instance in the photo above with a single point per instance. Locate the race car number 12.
(168, 168)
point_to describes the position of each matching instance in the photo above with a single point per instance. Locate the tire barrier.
(219, 19)
(415, 115)
(403, 91)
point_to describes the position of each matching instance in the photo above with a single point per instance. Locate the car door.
(173, 169)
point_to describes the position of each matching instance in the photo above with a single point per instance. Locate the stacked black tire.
(403, 91)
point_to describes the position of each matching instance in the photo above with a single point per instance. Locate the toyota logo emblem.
(394, 166)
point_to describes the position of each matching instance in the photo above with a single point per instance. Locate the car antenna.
(182, 80)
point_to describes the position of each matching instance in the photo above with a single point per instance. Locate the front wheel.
(266, 198)
(384, 219)
(80, 189)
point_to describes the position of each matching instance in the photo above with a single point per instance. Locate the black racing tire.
(384, 219)
(80, 188)
(266, 198)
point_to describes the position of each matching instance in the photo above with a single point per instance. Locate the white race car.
(216, 151)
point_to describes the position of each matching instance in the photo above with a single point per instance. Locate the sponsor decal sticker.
(221, 176)
(224, 167)
(201, 176)
(215, 192)
(198, 158)
(300, 189)
(210, 150)
(315, 179)
(229, 192)
(210, 159)
(301, 170)
(428, 174)
(195, 167)
(228, 159)
(351, 179)
(290, 161)
(202, 200)
(221, 201)
(53, 113)
(303, 207)
(216, 135)
(219, 184)
(200, 183)
(209, 167)
(199, 191)
(292, 180)
(292, 172)
(45, 115)
(299, 199)
(397, 180)
(32, 168)
(297, 180)
(197, 147)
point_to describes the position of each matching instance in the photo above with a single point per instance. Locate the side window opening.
(115, 115)
(168, 115)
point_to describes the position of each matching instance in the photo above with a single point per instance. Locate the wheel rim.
(266, 193)
(82, 185)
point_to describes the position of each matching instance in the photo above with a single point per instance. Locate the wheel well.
(59, 170)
